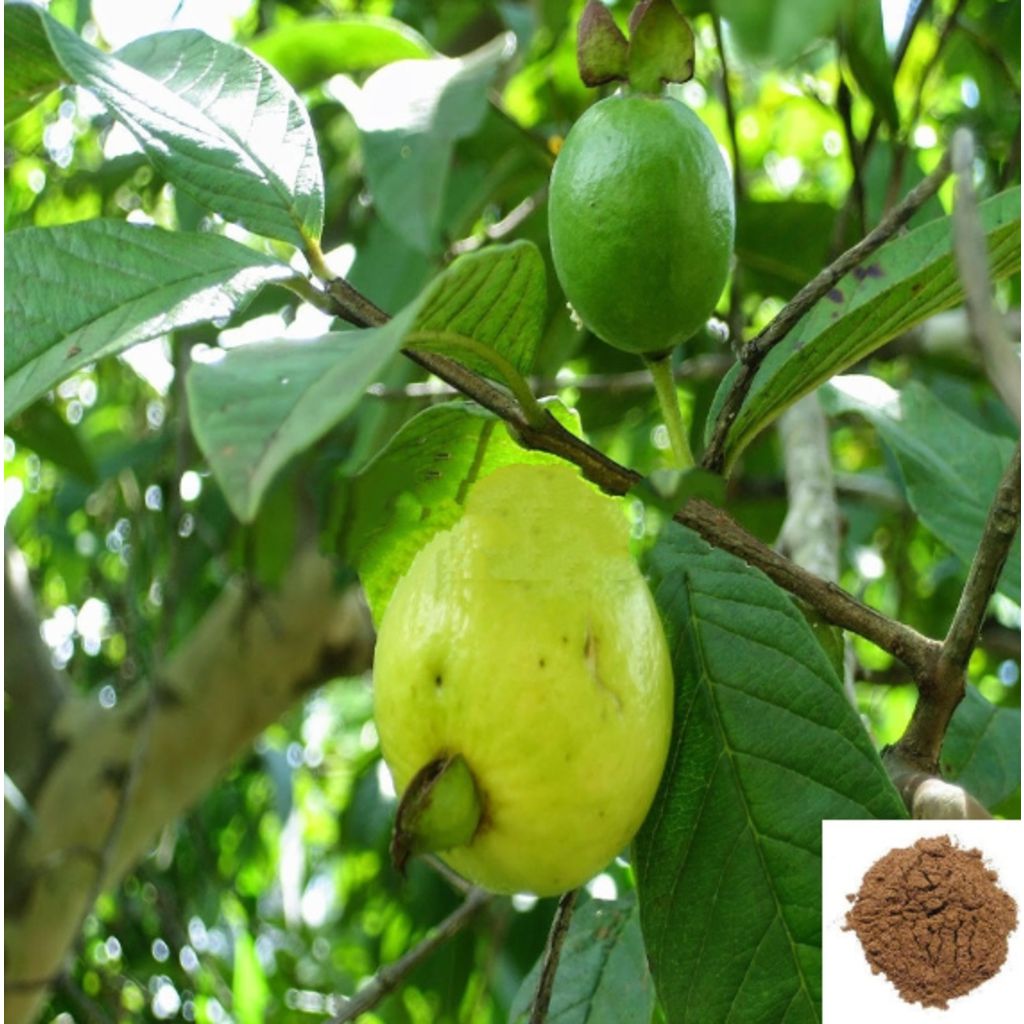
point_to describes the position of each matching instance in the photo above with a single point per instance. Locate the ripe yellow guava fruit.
(641, 220)
(524, 646)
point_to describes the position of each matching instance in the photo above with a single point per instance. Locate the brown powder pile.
(932, 919)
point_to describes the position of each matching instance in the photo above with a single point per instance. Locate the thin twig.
(388, 978)
(933, 60)
(996, 541)
(730, 110)
(915, 13)
(942, 690)
(715, 526)
(703, 367)
(502, 228)
(1001, 364)
(552, 954)
(844, 106)
(754, 353)
(739, 188)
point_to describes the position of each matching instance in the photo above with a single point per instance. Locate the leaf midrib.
(727, 748)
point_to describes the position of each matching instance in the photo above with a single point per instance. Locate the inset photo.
(921, 920)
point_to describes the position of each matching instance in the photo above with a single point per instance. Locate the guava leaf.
(222, 126)
(497, 297)
(250, 991)
(43, 429)
(410, 114)
(417, 486)
(981, 751)
(781, 245)
(602, 975)
(950, 467)
(765, 745)
(31, 71)
(252, 113)
(77, 292)
(906, 281)
(312, 50)
(863, 40)
(261, 404)
(778, 29)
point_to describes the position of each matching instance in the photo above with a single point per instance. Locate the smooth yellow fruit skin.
(525, 638)
(641, 220)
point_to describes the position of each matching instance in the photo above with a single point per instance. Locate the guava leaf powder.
(932, 918)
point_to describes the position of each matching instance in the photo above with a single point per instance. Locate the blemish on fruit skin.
(835, 295)
(541, 663)
(438, 680)
(590, 645)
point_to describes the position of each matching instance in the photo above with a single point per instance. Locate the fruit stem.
(439, 809)
(664, 386)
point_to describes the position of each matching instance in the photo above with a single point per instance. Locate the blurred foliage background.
(276, 890)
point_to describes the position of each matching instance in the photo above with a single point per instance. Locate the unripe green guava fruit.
(641, 220)
(525, 640)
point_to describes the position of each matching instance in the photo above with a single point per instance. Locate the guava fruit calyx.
(660, 48)
(440, 808)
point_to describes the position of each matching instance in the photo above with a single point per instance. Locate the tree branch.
(552, 954)
(926, 795)
(242, 666)
(943, 689)
(810, 532)
(755, 352)
(832, 603)
(1001, 364)
(996, 541)
(702, 367)
(502, 228)
(34, 688)
(388, 978)
(916, 651)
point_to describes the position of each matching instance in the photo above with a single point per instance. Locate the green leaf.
(80, 291)
(778, 29)
(262, 404)
(602, 975)
(782, 245)
(250, 991)
(878, 174)
(765, 745)
(950, 467)
(981, 751)
(906, 281)
(416, 487)
(41, 428)
(863, 41)
(497, 297)
(31, 71)
(311, 51)
(409, 115)
(253, 113)
(223, 126)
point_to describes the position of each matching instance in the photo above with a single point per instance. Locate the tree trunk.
(113, 778)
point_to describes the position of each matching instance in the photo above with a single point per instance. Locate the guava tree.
(276, 311)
